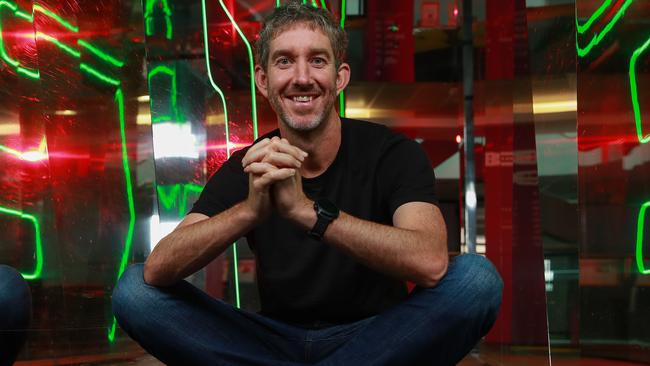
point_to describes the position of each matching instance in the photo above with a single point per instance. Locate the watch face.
(328, 208)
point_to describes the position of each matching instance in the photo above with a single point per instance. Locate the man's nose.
(302, 74)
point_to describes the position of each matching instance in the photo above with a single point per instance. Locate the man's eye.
(283, 61)
(318, 61)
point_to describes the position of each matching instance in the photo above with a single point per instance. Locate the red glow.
(455, 12)
(458, 139)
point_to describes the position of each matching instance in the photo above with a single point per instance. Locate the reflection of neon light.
(639, 238)
(595, 40)
(214, 85)
(174, 140)
(250, 64)
(225, 113)
(119, 99)
(69, 50)
(177, 192)
(172, 73)
(635, 96)
(99, 75)
(32, 74)
(31, 156)
(148, 15)
(584, 27)
(54, 16)
(100, 54)
(38, 270)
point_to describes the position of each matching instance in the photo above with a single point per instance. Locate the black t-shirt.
(304, 281)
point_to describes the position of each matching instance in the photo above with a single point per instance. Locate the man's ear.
(342, 77)
(260, 80)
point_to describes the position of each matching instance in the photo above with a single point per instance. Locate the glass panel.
(77, 178)
(613, 154)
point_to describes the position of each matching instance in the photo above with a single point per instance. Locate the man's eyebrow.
(287, 52)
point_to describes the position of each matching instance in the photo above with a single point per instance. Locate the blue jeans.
(181, 325)
(15, 313)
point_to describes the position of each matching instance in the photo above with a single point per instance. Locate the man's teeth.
(302, 99)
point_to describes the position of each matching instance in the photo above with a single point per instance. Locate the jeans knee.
(482, 278)
(129, 290)
(15, 299)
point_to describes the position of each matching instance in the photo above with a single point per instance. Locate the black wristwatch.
(326, 212)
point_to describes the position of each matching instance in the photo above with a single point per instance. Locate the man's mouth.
(302, 98)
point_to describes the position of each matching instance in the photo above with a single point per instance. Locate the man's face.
(301, 80)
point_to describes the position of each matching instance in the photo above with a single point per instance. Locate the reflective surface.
(113, 116)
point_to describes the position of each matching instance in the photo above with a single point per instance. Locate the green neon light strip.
(99, 75)
(56, 17)
(174, 92)
(639, 238)
(225, 113)
(148, 15)
(595, 40)
(119, 99)
(177, 192)
(601, 9)
(38, 270)
(100, 54)
(64, 47)
(250, 64)
(635, 95)
(32, 74)
(214, 85)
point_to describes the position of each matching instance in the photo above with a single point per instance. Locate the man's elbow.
(153, 276)
(433, 272)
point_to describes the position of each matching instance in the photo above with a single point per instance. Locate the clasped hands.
(274, 182)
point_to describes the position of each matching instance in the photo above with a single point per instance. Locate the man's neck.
(322, 144)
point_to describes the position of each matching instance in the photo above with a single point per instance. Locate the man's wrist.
(303, 214)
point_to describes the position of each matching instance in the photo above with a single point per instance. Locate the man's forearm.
(188, 249)
(411, 255)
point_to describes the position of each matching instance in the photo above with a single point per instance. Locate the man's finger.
(272, 177)
(259, 168)
(284, 146)
(282, 160)
(260, 145)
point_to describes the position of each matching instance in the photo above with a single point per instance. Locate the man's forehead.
(306, 27)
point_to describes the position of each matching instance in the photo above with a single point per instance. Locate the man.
(15, 313)
(339, 214)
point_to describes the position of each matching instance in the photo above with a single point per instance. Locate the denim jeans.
(181, 325)
(15, 313)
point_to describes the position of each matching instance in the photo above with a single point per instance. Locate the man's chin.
(303, 125)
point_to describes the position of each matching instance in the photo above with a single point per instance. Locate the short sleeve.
(405, 174)
(227, 187)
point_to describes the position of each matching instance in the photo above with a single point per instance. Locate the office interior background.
(114, 113)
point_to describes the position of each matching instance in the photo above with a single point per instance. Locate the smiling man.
(339, 214)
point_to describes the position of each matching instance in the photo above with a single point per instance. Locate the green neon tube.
(38, 269)
(639, 238)
(100, 54)
(251, 63)
(225, 112)
(69, 50)
(214, 85)
(635, 96)
(56, 17)
(162, 69)
(601, 9)
(128, 240)
(598, 37)
(99, 75)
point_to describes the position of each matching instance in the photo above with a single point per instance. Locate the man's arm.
(414, 249)
(196, 241)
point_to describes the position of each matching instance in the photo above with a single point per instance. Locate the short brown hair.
(295, 12)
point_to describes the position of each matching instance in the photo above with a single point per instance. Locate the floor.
(486, 357)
